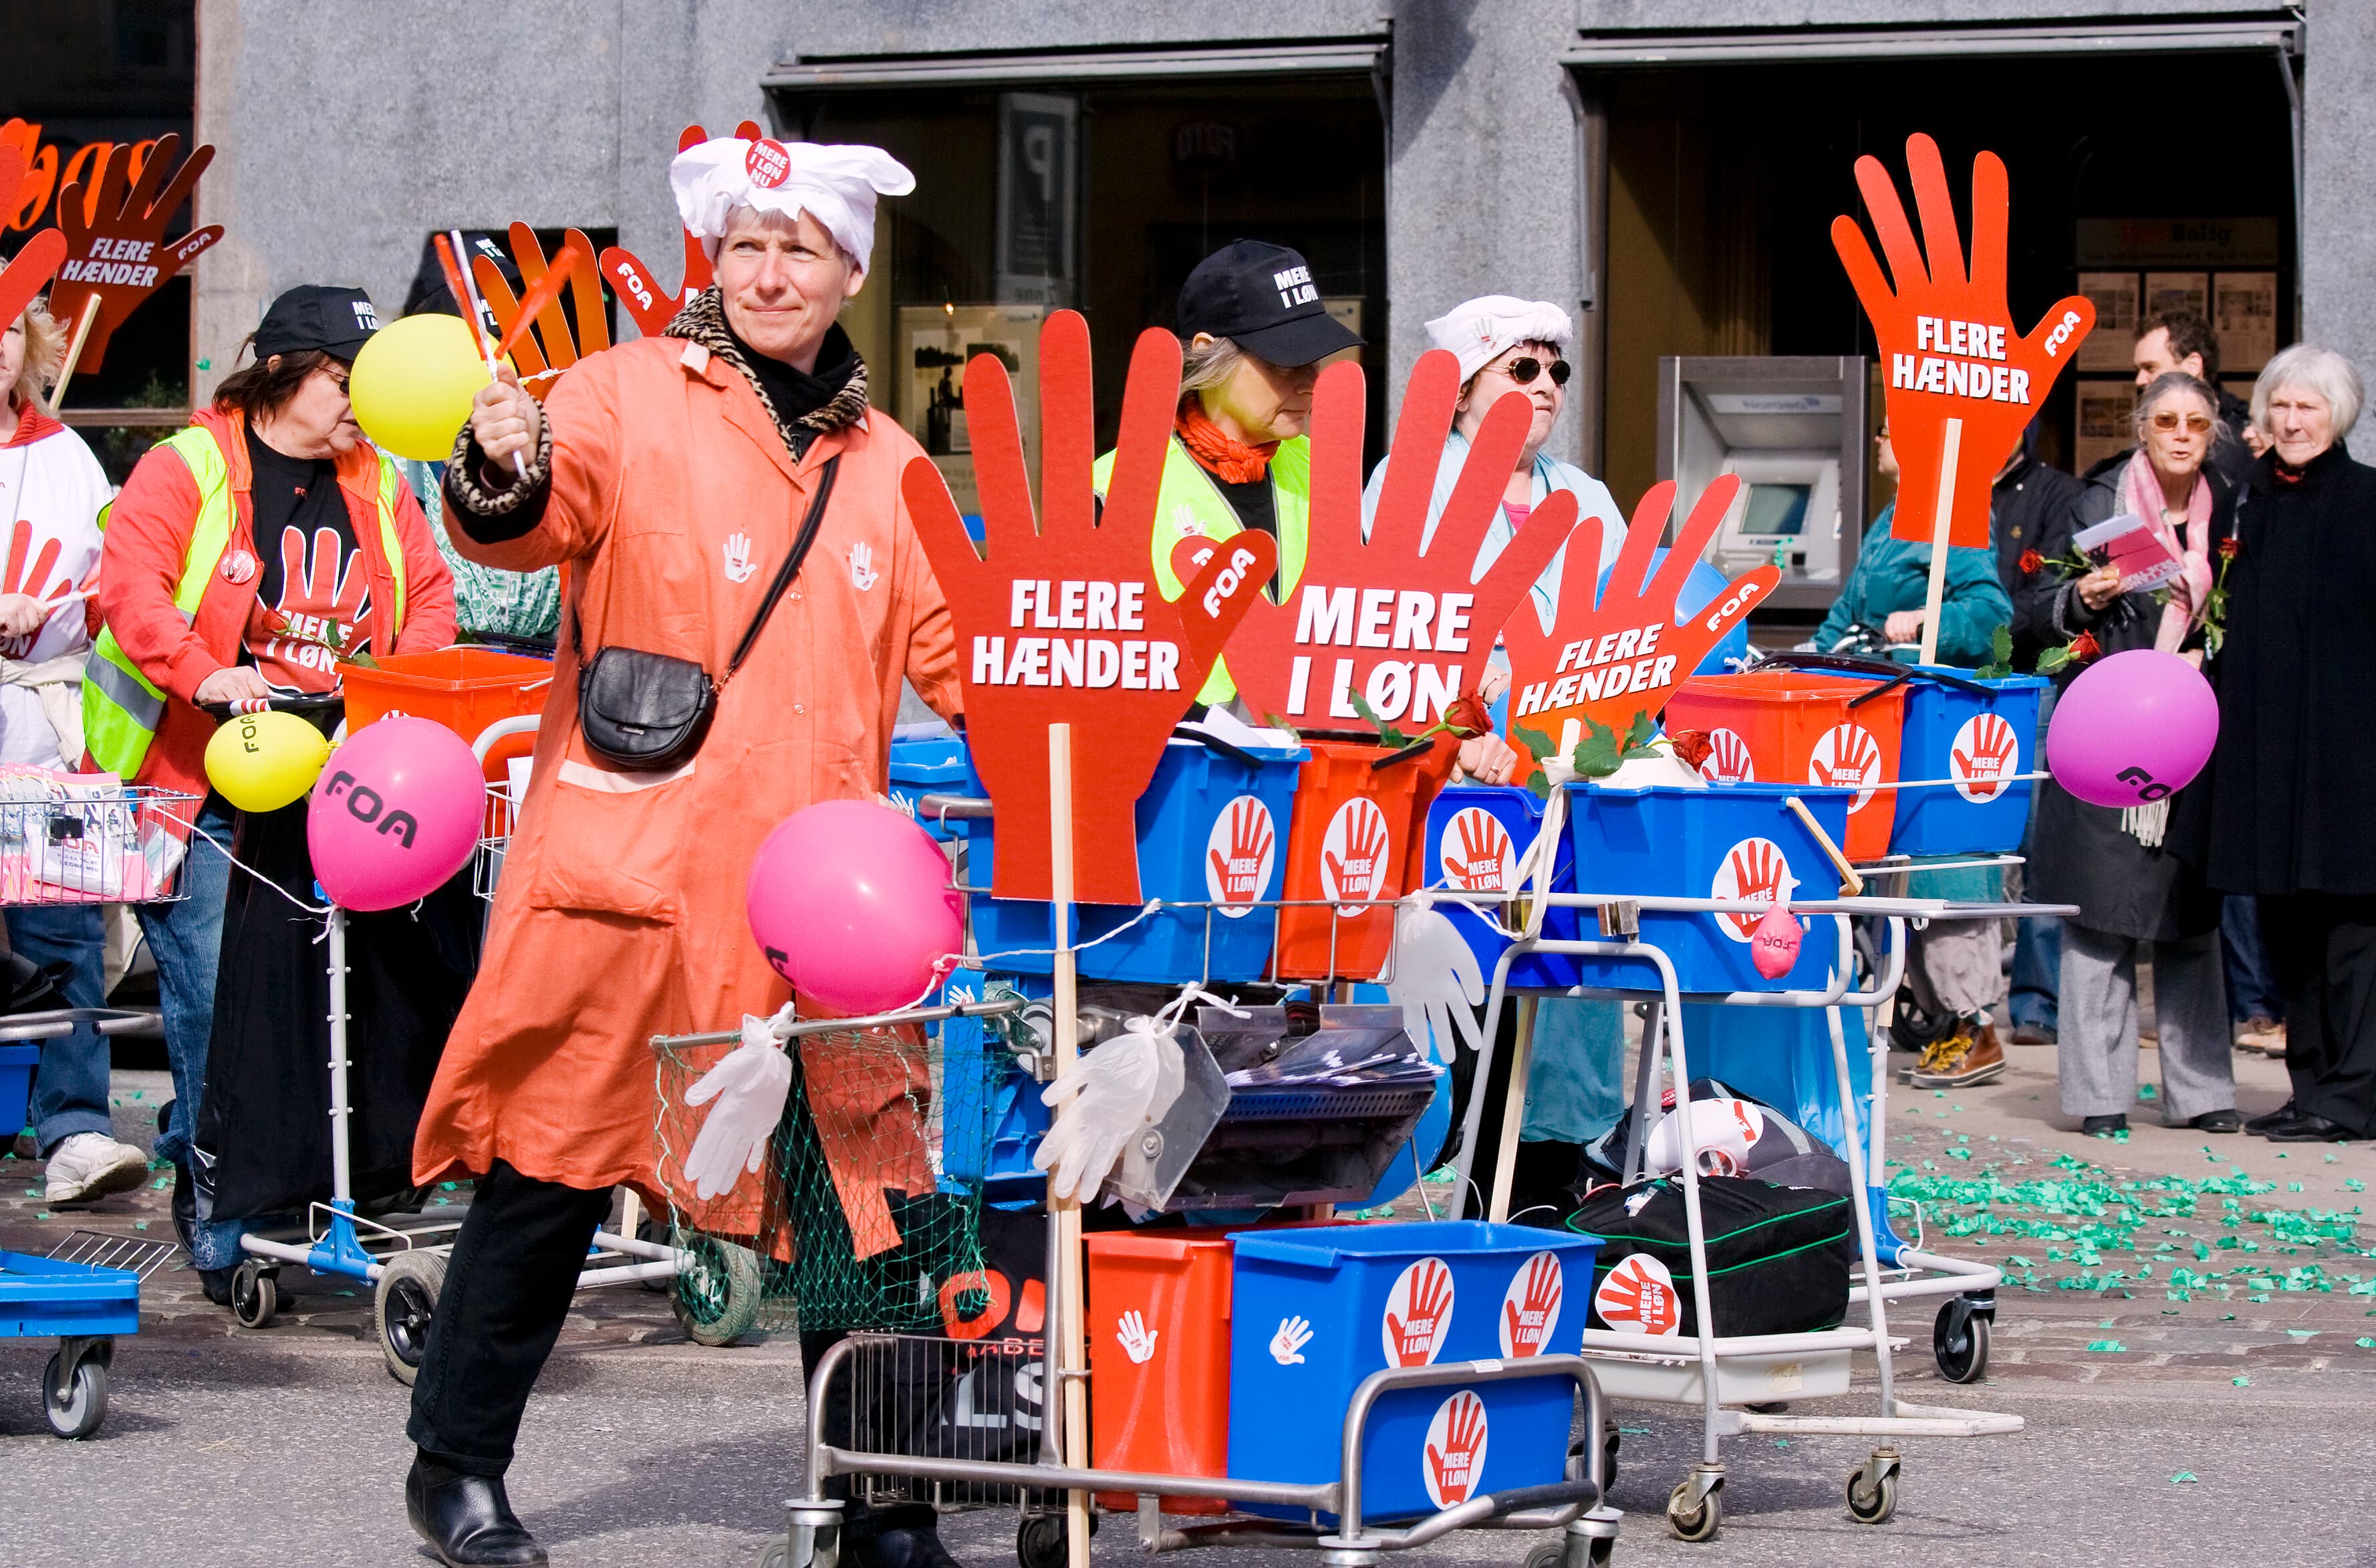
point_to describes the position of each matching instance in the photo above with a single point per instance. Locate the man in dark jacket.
(2028, 501)
(2180, 340)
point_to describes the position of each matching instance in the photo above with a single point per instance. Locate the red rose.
(2228, 547)
(2085, 647)
(1692, 746)
(2032, 563)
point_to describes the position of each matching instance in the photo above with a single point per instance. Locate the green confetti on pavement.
(2183, 1477)
(2105, 1344)
(2241, 1382)
(2365, 1343)
(2147, 1093)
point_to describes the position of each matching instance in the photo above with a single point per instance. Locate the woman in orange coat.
(673, 474)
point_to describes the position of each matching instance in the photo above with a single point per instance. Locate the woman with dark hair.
(243, 559)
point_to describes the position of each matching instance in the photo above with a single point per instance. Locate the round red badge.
(238, 567)
(767, 163)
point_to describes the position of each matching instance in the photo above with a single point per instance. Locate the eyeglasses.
(2196, 424)
(1526, 367)
(337, 378)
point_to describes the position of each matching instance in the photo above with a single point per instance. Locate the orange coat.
(620, 911)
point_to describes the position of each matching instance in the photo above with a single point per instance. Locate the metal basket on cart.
(123, 845)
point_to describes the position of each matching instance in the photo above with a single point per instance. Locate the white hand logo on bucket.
(1639, 1297)
(1847, 754)
(1455, 1449)
(1728, 759)
(1753, 869)
(1419, 1314)
(1985, 754)
(1530, 1307)
(1476, 852)
(1353, 856)
(1137, 1340)
(1238, 855)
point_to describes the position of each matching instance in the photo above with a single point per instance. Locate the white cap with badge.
(835, 184)
(1482, 330)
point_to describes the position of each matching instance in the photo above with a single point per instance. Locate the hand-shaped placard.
(36, 260)
(1610, 660)
(637, 288)
(1062, 621)
(1391, 619)
(119, 258)
(541, 364)
(1946, 336)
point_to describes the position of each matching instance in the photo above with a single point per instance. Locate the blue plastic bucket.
(1313, 1312)
(18, 1064)
(1978, 739)
(991, 1116)
(1475, 835)
(1211, 829)
(1723, 841)
(936, 765)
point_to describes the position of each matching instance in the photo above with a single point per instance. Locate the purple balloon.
(396, 812)
(850, 901)
(2133, 728)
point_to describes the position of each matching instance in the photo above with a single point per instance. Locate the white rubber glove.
(1111, 1094)
(1437, 980)
(750, 1085)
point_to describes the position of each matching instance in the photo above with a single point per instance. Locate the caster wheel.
(1040, 1540)
(1959, 1341)
(657, 1233)
(1599, 1553)
(402, 1305)
(1550, 1554)
(1872, 1505)
(74, 1399)
(772, 1555)
(717, 1298)
(1699, 1524)
(254, 1294)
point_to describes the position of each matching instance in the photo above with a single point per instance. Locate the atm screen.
(1775, 509)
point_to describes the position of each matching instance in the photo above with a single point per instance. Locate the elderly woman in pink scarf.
(2137, 901)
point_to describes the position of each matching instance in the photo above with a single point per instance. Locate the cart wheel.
(402, 1305)
(1959, 1340)
(1599, 1552)
(1609, 1444)
(1040, 1540)
(1551, 1553)
(73, 1401)
(254, 1294)
(1874, 1504)
(656, 1231)
(1700, 1523)
(716, 1297)
(772, 1555)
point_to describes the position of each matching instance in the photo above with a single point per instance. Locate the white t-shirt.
(50, 493)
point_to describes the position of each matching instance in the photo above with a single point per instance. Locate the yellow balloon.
(263, 761)
(412, 386)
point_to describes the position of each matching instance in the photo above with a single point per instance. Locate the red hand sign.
(1084, 575)
(1624, 656)
(1241, 858)
(638, 289)
(37, 260)
(1946, 336)
(1418, 1314)
(1530, 1307)
(119, 258)
(1455, 1449)
(1390, 619)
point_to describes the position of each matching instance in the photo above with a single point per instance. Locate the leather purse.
(649, 712)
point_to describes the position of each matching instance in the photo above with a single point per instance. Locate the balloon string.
(200, 835)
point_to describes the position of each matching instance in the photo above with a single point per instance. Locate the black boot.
(467, 1520)
(185, 1193)
(918, 1547)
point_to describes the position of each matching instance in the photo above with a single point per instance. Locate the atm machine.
(1794, 430)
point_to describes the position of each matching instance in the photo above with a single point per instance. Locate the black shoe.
(919, 1547)
(2259, 1126)
(216, 1282)
(2304, 1128)
(2104, 1126)
(467, 1520)
(2228, 1121)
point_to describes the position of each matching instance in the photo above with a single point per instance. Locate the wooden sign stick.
(87, 319)
(1950, 443)
(1070, 1357)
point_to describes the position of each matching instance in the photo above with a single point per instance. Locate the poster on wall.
(936, 343)
(1039, 182)
(2105, 410)
(2115, 297)
(2188, 291)
(2244, 316)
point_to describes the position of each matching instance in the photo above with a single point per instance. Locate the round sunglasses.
(1526, 367)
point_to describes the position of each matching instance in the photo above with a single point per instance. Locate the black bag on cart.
(1778, 1258)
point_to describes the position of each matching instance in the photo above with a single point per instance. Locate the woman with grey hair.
(2136, 900)
(2286, 811)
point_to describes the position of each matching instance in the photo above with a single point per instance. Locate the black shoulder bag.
(650, 711)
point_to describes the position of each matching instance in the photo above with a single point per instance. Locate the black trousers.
(2321, 952)
(508, 1288)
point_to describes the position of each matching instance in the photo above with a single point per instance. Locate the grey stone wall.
(2338, 249)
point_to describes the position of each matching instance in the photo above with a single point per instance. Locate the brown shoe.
(2263, 1035)
(1970, 1055)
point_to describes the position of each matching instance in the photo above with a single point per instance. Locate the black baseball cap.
(1262, 298)
(317, 315)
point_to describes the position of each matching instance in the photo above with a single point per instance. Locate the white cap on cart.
(835, 184)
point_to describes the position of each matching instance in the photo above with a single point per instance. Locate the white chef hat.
(1483, 330)
(835, 186)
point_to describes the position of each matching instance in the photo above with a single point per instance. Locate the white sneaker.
(91, 1165)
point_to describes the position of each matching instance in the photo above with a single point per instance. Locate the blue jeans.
(186, 939)
(70, 1089)
(2252, 989)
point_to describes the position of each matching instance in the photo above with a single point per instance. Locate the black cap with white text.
(1261, 297)
(317, 315)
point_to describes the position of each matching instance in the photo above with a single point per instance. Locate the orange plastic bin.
(1346, 842)
(1159, 1357)
(1803, 729)
(465, 688)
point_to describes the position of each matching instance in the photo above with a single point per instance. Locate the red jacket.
(148, 545)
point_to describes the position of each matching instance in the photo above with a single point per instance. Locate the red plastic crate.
(465, 688)
(1801, 729)
(1356, 819)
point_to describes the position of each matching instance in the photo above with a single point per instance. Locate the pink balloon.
(1774, 943)
(850, 901)
(2133, 728)
(396, 812)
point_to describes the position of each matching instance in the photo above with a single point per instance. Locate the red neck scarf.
(31, 423)
(1220, 454)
